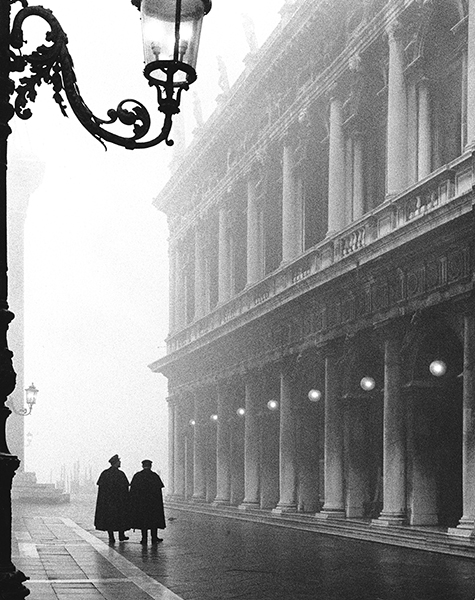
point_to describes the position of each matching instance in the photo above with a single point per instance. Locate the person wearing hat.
(146, 503)
(112, 506)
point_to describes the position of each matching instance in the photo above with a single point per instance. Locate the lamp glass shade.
(171, 31)
(30, 394)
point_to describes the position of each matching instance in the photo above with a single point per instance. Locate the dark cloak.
(112, 506)
(146, 501)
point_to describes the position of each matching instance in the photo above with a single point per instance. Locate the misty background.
(96, 265)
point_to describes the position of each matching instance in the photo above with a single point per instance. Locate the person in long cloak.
(112, 506)
(146, 503)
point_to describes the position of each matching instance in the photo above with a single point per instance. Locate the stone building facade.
(321, 237)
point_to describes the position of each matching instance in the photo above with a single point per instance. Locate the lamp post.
(30, 398)
(171, 31)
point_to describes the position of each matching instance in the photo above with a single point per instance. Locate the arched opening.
(363, 427)
(435, 430)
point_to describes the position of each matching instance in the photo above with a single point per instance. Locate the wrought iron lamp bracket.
(53, 65)
(22, 412)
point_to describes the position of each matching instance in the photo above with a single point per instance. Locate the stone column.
(200, 273)
(224, 291)
(397, 113)
(179, 450)
(251, 442)
(466, 525)
(172, 308)
(171, 447)
(291, 210)
(336, 168)
(287, 447)
(199, 451)
(334, 505)
(358, 182)
(254, 244)
(394, 439)
(223, 455)
(424, 132)
(471, 76)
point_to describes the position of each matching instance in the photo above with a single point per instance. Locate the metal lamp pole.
(169, 67)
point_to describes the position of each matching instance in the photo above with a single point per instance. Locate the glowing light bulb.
(272, 405)
(438, 368)
(240, 412)
(367, 384)
(214, 417)
(314, 395)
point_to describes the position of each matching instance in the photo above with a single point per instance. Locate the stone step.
(419, 538)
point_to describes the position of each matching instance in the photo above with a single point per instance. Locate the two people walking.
(120, 509)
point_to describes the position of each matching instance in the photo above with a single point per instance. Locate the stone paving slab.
(65, 562)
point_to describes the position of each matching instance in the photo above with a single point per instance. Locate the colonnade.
(408, 159)
(232, 461)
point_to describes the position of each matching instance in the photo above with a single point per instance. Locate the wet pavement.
(205, 557)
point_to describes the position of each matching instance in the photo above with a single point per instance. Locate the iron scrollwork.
(53, 65)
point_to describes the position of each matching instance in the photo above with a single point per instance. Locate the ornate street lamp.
(171, 33)
(30, 398)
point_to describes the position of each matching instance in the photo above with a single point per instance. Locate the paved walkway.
(65, 562)
(207, 557)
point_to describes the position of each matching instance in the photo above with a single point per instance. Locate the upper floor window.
(443, 53)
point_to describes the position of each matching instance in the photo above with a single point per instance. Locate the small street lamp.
(30, 399)
(171, 32)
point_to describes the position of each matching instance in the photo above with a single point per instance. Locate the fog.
(96, 272)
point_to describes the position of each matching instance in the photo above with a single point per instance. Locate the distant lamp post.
(272, 405)
(314, 395)
(30, 399)
(29, 439)
(214, 418)
(241, 412)
(367, 384)
(438, 368)
(171, 33)
(192, 422)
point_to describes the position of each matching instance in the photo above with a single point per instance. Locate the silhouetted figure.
(146, 502)
(112, 506)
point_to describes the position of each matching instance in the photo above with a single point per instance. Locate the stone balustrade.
(443, 187)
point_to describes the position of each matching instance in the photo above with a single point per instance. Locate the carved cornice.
(309, 94)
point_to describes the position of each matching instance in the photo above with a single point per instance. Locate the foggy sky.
(96, 278)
